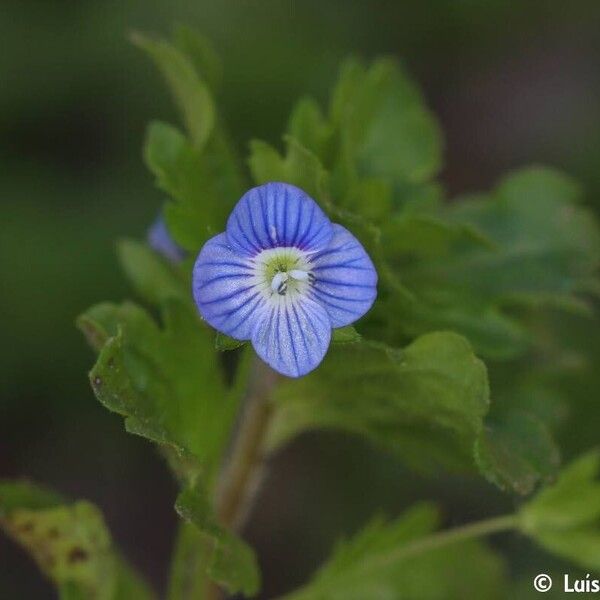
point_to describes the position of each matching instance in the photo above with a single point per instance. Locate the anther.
(279, 283)
(300, 275)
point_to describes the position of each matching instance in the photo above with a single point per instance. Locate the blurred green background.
(512, 83)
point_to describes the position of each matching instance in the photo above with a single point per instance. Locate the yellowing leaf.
(69, 542)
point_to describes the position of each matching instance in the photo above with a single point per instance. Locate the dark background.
(512, 83)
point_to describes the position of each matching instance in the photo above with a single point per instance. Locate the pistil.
(282, 279)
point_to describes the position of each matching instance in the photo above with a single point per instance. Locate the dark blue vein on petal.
(304, 342)
(228, 296)
(277, 336)
(286, 210)
(334, 282)
(275, 224)
(251, 218)
(291, 336)
(214, 263)
(323, 322)
(245, 316)
(222, 276)
(315, 236)
(303, 235)
(329, 251)
(342, 298)
(245, 236)
(298, 219)
(229, 312)
(264, 211)
(317, 298)
(348, 264)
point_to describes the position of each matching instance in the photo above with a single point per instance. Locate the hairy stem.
(432, 542)
(243, 472)
(192, 550)
(449, 536)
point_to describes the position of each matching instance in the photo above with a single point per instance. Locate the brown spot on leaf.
(26, 527)
(49, 562)
(77, 555)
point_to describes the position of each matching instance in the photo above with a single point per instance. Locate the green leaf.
(419, 198)
(529, 242)
(517, 452)
(188, 578)
(231, 562)
(350, 79)
(201, 52)
(299, 166)
(379, 142)
(189, 91)
(369, 197)
(167, 382)
(384, 127)
(426, 402)
(204, 186)
(154, 278)
(101, 322)
(493, 334)
(399, 138)
(310, 128)
(564, 518)
(15, 495)
(427, 235)
(345, 335)
(387, 560)
(224, 343)
(69, 542)
(548, 245)
(411, 243)
(202, 176)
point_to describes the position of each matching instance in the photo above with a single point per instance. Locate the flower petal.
(293, 335)
(225, 289)
(160, 240)
(345, 278)
(275, 215)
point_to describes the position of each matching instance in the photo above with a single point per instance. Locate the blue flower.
(160, 240)
(282, 275)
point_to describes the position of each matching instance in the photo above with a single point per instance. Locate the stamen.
(279, 283)
(299, 275)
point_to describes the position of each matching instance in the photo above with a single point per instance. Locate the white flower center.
(279, 283)
(283, 272)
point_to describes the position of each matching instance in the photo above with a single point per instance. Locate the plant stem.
(242, 474)
(187, 580)
(420, 546)
(449, 536)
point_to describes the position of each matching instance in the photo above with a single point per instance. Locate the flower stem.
(243, 473)
(370, 566)
(450, 536)
(187, 578)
